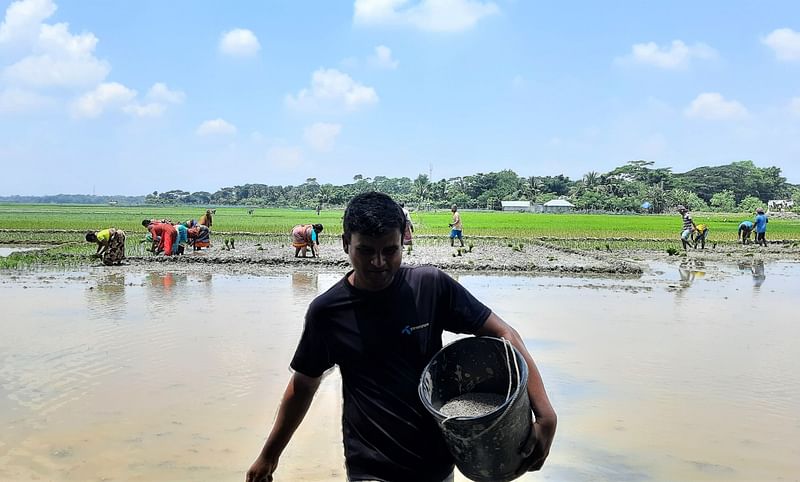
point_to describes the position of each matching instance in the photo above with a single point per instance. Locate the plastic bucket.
(486, 447)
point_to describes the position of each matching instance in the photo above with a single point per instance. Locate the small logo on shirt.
(411, 329)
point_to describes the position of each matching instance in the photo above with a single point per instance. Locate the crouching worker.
(305, 236)
(199, 237)
(381, 324)
(699, 236)
(164, 236)
(745, 228)
(110, 245)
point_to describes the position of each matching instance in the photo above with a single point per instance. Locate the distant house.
(112, 203)
(521, 206)
(558, 206)
(780, 204)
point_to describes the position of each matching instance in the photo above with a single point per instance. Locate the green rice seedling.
(510, 245)
(672, 251)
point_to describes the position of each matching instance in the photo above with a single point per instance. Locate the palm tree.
(591, 179)
(422, 188)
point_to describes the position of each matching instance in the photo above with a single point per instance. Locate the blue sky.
(128, 97)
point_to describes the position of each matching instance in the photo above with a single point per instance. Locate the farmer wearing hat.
(688, 226)
(761, 227)
(381, 324)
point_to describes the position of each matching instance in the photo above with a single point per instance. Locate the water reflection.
(689, 270)
(756, 269)
(107, 298)
(305, 283)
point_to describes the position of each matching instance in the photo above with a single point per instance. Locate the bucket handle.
(507, 348)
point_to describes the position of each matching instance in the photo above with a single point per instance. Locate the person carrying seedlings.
(381, 324)
(700, 235)
(745, 228)
(110, 245)
(688, 226)
(408, 238)
(305, 236)
(761, 227)
(455, 227)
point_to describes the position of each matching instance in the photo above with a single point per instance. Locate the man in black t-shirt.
(381, 324)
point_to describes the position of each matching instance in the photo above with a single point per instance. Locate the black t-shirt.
(382, 341)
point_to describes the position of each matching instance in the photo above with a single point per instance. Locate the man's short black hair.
(372, 214)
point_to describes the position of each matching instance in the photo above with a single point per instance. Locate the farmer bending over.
(305, 236)
(381, 324)
(745, 228)
(699, 236)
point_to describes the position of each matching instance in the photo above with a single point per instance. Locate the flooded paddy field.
(174, 371)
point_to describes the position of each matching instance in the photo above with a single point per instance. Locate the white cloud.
(794, 105)
(216, 127)
(152, 109)
(330, 87)
(239, 42)
(712, 106)
(17, 100)
(55, 57)
(675, 56)
(785, 42)
(382, 58)
(159, 92)
(429, 15)
(285, 157)
(322, 136)
(105, 96)
(22, 20)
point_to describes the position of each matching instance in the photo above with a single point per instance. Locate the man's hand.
(261, 470)
(537, 447)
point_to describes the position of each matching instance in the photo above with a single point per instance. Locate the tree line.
(739, 185)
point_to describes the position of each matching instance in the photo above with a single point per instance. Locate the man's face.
(375, 260)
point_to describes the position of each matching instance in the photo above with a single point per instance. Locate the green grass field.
(476, 223)
(59, 227)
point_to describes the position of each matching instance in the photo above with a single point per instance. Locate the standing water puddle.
(688, 373)
(7, 250)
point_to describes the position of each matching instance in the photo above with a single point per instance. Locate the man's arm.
(294, 405)
(544, 426)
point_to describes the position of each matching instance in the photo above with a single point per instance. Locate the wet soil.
(492, 256)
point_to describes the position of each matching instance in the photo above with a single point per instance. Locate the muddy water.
(688, 373)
